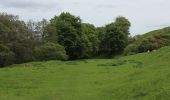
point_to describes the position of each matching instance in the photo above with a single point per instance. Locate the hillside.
(148, 42)
(144, 76)
(165, 33)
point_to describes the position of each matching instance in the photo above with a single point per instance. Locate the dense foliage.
(63, 37)
(116, 37)
(6, 56)
(68, 33)
(15, 39)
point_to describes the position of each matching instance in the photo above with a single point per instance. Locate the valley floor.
(139, 77)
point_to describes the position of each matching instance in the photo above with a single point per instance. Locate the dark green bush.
(6, 56)
(146, 45)
(50, 51)
(23, 52)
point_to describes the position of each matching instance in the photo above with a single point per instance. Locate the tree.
(19, 38)
(67, 31)
(101, 31)
(114, 41)
(90, 32)
(115, 37)
(123, 24)
(38, 29)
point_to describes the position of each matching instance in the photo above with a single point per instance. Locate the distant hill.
(165, 32)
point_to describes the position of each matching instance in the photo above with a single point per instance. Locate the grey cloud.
(24, 4)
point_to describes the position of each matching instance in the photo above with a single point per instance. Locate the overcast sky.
(145, 15)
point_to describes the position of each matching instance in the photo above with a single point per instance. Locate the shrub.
(50, 51)
(131, 49)
(146, 45)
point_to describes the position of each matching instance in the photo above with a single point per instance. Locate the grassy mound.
(144, 76)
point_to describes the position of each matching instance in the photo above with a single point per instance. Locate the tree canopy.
(64, 36)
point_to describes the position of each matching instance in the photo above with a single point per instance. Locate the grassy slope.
(139, 77)
(165, 33)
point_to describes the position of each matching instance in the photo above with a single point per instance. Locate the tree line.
(64, 37)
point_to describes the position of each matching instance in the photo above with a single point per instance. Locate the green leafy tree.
(115, 36)
(114, 41)
(67, 31)
(16, 34)
(90, 32)
(123, 24)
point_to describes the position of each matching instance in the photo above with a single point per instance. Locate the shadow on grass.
(136, 64)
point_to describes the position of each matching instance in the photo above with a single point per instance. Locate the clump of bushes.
(50, 51)
(146, 44)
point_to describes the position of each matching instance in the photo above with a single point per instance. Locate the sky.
(144, 15)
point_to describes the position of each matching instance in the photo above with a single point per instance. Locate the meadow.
(144, 76)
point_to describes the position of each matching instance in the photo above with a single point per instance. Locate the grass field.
(139, 77)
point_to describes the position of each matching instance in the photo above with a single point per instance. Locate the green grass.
(144, 76)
